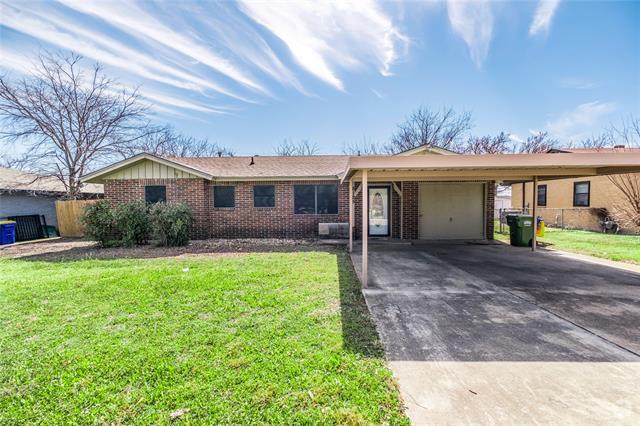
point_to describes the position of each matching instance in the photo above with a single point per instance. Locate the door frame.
(389, 204)
(484, 203)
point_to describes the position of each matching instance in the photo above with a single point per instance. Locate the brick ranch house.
(419, 194)
(264, 196)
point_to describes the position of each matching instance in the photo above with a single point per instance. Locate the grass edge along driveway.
(260, 338)
(623, 248)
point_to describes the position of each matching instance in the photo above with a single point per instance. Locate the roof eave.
(95, 177)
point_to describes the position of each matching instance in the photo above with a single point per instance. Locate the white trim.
(94, 177)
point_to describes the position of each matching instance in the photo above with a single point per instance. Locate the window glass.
(224, 196)
(304, 199)
(327, 199)
(155, 194)
(264, 196)
(581, 194)
(542, 195)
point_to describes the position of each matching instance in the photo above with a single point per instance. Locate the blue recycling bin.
(7, 232)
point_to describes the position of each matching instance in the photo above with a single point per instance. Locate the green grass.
(625, 248)
(263, 338)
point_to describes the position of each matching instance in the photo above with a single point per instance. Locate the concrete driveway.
(493, 334)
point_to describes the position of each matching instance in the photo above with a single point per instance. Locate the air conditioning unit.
(333, 230)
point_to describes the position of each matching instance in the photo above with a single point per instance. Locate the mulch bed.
(74, 249)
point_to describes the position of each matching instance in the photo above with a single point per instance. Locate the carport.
(459, 169)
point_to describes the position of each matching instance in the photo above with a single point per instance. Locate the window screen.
(155, 194)
(315, 199)
(224, 196)
(581, 194)
(542, 195)
(304, 199)
(264, 196)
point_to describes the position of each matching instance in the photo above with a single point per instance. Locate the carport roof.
(508, 168)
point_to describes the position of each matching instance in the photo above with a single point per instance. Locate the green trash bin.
(520, 230)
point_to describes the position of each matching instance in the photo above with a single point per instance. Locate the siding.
(148, 170)
(19, 205)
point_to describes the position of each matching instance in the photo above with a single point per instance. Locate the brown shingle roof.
(592, 150)
(16, 180)
(317, 166)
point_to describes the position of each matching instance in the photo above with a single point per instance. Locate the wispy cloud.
(543, 16)
(578, 123)
(327, 37)
(577, 83)
(133, 19)
(515, 138)
(378, 94)
(473, 21)
(50, 27)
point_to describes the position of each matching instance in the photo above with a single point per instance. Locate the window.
(315, 199)
(224, 196)
(542, 195)
(264, 196)
(304, 199)
(155, 194)
(581, 194)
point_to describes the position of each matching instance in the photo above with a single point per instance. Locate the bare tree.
(290, 148)
(597, 142)
(500, 144)
(538, 143)
(425, 127)
(166, 142)
(627, 211)
(69, 119)
(364, 147)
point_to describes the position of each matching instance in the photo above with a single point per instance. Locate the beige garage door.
(451, 211)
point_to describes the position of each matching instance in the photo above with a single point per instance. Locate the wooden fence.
(69, 214)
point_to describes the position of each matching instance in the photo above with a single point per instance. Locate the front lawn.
(262, 338)
(624, 248)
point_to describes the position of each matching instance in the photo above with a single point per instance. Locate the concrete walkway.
(479, 334)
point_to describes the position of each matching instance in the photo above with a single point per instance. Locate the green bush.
(99, 223)
(171, 223)
(133, 222)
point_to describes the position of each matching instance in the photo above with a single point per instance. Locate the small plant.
(99, 222)
(171, 223)
(133, 222)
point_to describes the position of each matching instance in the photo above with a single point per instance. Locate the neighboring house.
(416, 196)
(503, 197)
(574, 203)
(24, 193)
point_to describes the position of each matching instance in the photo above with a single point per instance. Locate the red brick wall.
(489, 208)
(190, 191)
(246, 221)
(280, 221)
(242, 221)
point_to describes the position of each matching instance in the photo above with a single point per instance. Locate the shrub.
(99, 223)
(133, 222)
(171, 223)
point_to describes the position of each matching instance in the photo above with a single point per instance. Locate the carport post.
(365, 228)
(535, 204)
(350, 215)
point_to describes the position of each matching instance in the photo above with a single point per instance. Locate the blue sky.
(250, 74)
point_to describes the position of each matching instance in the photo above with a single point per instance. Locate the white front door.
(451, 211)
(379, 211)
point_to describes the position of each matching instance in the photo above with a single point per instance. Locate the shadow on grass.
(358, 329)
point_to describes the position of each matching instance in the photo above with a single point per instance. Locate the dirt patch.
(74, 249)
